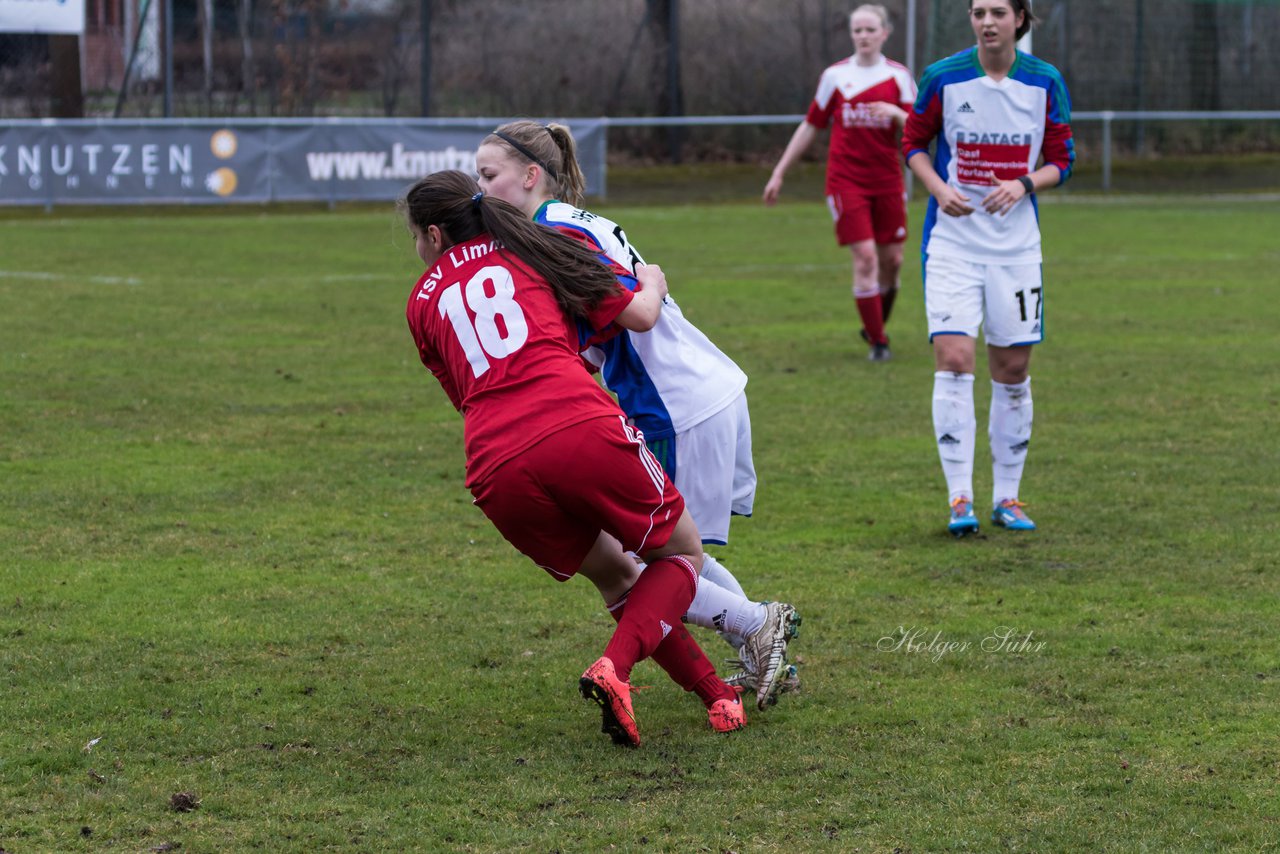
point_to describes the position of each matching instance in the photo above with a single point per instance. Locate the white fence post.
(1107, 115)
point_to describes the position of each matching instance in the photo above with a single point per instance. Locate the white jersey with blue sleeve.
(668, 379)
(985, 130)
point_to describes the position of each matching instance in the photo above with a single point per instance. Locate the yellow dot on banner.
(223, 144)
(221, 181)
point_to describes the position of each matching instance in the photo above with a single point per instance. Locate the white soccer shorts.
(1005, 301)
(714, 471)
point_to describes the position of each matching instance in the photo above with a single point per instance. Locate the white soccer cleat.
(765, 652)
(788, 682)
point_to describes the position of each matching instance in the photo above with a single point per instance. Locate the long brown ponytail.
(452, 202)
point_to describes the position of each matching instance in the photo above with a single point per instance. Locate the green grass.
(235, 547)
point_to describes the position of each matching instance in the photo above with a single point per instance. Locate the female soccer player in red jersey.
(551, 459)
(686, 396)
(864, 99)
(995, 114)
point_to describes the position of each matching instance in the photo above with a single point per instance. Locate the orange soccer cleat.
(601, 683)
(727, 715)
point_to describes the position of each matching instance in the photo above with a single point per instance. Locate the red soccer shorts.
(552, 501)
(881, 217)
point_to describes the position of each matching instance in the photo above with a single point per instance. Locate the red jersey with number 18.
(492, 333)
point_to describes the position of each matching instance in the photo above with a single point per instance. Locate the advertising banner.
(361, 160)
(64, 17)
(52, 162)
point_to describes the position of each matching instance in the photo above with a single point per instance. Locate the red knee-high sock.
(886, 302)
(688, 666)
(872, 318)
(683, 660)
(653, 610)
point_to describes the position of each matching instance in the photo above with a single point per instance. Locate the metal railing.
(1106, 117)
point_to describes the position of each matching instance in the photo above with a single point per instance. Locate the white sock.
(955, 427)
(714, 570)
(1010, 433)
(728, 612)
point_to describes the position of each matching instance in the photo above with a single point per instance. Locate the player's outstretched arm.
(800, 141)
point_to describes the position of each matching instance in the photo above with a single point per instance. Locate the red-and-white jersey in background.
(986, 126)
(494, 336)
(863, 155)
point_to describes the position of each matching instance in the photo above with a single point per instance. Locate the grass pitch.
(246, 604)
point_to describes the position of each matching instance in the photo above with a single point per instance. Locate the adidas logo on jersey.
(965, 108)
(666, 628)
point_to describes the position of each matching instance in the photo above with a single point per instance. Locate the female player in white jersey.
(865, 99)
(995, 112)
(686, 397)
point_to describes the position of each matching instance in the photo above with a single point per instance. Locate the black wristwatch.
(1025, 181)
